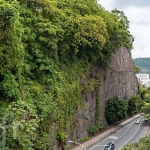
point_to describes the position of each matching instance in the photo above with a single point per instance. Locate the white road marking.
(131, 136)
(113, 137)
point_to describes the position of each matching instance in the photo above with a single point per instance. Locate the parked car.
(110, 146)
(137, 121)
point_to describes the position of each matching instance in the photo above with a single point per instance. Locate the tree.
(116, 110)
(134, 105)
(136, 69)
(124, 34)
(45, 47)
(145, 93)
(11, 51)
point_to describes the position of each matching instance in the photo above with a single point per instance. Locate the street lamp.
(77, 143)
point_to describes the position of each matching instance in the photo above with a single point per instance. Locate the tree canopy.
(116, 110)
(143, 64)
(45, 46)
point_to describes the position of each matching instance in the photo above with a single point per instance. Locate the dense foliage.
(142, 144)
(145, 95)
(136, 69)
(143, 64)
(139, 103)
(144, 107)
(45, 47)
(134, 105)
(116, 110)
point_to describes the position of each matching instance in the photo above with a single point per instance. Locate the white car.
(142, 114)
(137, 121)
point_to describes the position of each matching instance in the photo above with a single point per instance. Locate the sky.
(137, 12)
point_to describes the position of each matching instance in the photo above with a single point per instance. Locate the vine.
(97, 111)
(46, 47)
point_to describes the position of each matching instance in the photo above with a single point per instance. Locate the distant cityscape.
(143, 79)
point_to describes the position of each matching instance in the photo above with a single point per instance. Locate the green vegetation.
(114, 104)
(144, 107)
(142, 144)
(46, 47)
(143, 64)
(95, 129)
(136, 69)
(134, 105)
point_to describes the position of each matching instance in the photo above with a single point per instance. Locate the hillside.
(143, 64)
(48, 53)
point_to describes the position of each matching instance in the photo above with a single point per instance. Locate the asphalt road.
(130, 133)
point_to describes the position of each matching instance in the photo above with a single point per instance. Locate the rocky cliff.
(117, 80)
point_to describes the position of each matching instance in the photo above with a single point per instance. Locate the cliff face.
(118, 80)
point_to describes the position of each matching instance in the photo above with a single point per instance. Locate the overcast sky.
(137, 12)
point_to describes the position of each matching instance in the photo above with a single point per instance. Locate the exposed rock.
(118, 80)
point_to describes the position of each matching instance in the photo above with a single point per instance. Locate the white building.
(144, 79)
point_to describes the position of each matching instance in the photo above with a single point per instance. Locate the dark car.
(109, 146)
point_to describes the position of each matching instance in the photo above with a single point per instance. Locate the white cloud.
(137, 13)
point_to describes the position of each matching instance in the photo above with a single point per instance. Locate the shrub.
(116, 110)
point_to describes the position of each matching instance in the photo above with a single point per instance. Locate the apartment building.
(143, 79)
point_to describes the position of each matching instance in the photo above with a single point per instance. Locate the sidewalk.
(94, 140)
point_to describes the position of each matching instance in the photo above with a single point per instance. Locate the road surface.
(130, 133)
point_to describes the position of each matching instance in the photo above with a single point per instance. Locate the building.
(143, 79)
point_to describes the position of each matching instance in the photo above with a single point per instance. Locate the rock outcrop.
(117, 80)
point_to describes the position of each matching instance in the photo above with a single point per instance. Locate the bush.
(116, 110)
(92, 130)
